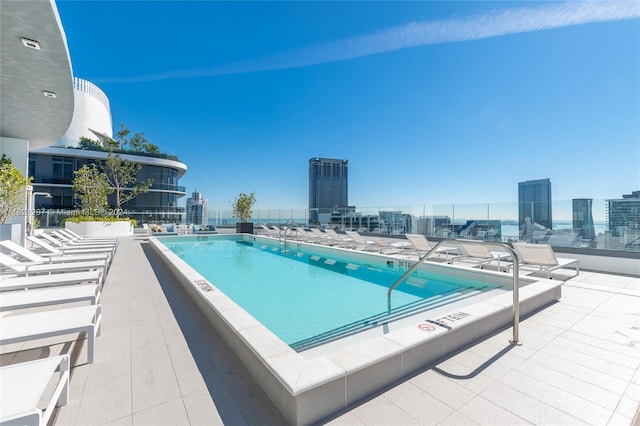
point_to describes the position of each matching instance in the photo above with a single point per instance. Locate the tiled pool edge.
(307, 391)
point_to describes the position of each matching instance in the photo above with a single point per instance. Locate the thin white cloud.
(413, 34)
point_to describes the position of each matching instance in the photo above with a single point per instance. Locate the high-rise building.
(534, 207)
(429, 225)
(394, 222)
(328, 187)
(623, 222)
(583, 219)
(197, 210)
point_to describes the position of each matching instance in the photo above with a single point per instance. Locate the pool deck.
(158, 362)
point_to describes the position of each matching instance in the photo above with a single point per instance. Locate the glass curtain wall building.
(328, 188)
(53, 170)
(534, 208)
(197, 210)
(623, 221)
(583, 220)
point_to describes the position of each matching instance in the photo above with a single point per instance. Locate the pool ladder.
(516, 281)
(288, 226)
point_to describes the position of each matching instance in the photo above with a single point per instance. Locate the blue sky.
(431, 102)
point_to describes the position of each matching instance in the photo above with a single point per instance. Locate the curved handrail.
(516, 280)
(282, 234)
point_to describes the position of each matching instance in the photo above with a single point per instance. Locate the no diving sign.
(426, 327)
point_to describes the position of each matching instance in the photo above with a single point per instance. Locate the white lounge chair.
(324, 238)
(306, 237)
(420, 243)
(21, 299)
(390, 249)
(422, 246)
(59, 322)
(67, 245)
(71, 241)
(342, 241)
(23, 387)
(34, 257)
(541, 258)
(77, 237)
(381, 246)
(14, 266)
(270, 232)
(362, 244)
(61, 251)
(479, 255)
(8, 283)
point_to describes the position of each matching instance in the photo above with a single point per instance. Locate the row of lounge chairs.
(532, 258)
(53, 270)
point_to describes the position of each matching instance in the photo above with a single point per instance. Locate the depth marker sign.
(426, 327)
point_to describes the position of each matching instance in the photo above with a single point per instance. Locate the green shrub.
(80, 218)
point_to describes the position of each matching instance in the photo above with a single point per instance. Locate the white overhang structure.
(36, 86)
(36, 99)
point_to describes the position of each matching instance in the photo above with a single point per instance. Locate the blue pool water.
(298, 295)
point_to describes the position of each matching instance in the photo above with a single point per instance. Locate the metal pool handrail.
(516, 280)
(288, 226)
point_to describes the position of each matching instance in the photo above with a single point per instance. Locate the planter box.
(245, 228)
(101, 229)
(11, 231)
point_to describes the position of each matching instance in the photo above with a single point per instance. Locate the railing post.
(516, 301)
(516, 282)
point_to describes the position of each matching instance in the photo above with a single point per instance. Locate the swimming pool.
(306, 297)
(308, 386)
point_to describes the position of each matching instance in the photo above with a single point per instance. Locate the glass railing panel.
(579, 223)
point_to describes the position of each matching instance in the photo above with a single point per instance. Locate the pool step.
(385, 317)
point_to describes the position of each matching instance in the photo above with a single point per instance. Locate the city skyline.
(431, 102)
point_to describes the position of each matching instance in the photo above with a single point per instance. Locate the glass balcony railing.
(168, 187)
(151, 209)
(57, 181)
(69, 181)
(612, 224)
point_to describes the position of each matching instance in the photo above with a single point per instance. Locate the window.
(62, 169)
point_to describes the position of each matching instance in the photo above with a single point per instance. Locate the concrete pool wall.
(307, 390)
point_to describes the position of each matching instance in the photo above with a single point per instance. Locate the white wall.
(91, 111)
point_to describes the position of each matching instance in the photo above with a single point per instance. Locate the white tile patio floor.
(159, 363)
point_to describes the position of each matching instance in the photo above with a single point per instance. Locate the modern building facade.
(623, 222)
(36, 89)
(197, 210)
(53, 168)
(534, 207)
(583, 220)
(328, 187)
(430, 225)
(91, 115)
(394, 222)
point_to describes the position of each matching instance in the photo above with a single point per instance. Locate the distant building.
(481, 229)
(623, 222)
(197, 210)
(534, 207)
(429, 225)
(394, 222)
(583, 220)
(328, 188)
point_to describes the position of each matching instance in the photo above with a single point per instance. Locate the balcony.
(50, 180)
(169, 187)
(69, 181)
